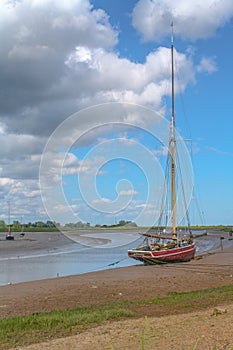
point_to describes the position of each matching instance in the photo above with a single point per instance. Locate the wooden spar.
(172, 150)
(9, 219)
(156, 236)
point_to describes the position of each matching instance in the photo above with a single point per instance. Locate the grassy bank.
(21, 331)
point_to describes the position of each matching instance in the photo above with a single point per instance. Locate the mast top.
(172, 36)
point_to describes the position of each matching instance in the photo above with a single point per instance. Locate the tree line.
(49, 225)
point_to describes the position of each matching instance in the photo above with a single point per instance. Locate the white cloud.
(58, 57)
(52, 65)
(144, 84)
(92, 167)
(128, 193)
(101, 200)
(163, 151)
(26, 52)
(34, 193)
(37, 39)
(2, 129)
(207, 65)
(5, 181)
(192, 19)
(64, 208)
(218, 151)
(15, 146)
(24, 198)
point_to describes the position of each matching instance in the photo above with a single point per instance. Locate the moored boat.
(9, 236)
(158, 248)
(164, 250)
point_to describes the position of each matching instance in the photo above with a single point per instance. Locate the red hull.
(177, 254)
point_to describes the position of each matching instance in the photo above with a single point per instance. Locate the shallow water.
(44, 257)
(26, 263)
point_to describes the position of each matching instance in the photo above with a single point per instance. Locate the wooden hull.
(9, 238)
(177, 254)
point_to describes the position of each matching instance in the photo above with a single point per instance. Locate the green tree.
(2, 224)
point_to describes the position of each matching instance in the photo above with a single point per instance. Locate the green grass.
(177, 303)
(18, 331)
(21, 331)
(223, 293)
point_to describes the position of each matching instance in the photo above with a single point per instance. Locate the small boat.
(160, 248)
(9, 236)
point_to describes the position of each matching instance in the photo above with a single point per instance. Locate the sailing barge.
(164, 249)
(158, 248)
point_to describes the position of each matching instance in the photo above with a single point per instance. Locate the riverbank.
(128, 283)
(132, 283)
(40, 255)
(209, 329)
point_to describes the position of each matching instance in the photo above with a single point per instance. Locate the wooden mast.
(9, 236)
(172, 150)
(9, 219)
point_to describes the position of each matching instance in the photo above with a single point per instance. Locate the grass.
(21, 331)
(177, 303)
(212, 294)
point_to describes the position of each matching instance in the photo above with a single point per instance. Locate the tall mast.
(9, 218)
(172, 146)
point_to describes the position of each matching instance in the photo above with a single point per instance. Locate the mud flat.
(127, 283)
(213, 269)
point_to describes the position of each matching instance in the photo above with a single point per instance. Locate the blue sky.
(77, 54)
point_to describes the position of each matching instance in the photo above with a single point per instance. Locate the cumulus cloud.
(63, 60)
(16, 146)
(207, 65)
(144, 84)
(37, 39)
(24, 198)
(58, 57)
(192, 19)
